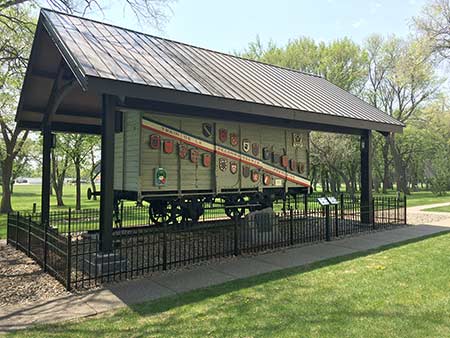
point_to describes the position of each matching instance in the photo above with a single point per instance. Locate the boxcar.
(179, 163)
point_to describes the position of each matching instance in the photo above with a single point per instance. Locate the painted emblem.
(233, 167)
(206, 160)
(267, 179)
(245, 171)
(207, 129)
(234, 139)
(194, 155)
(255, 149)
(160, 176)
(276, 158)
(255, 176)
(223, 135)
(301, 168)
(293, 164)
(266, 153)
(182, 150)
(155, 141)
(246, 145)
(168, 146)
(297, 140)
(223, 164)
(284, 161)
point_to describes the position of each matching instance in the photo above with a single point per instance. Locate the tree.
(78, 147)
(434, 23)
(154, 12)
(401, 81)
(15, 41)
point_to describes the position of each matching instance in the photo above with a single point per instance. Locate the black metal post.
(405, 208)
(291, 226)
(165, 246)
(17, 230)
(366, 178)
(45, 246)
(107, 173)
(29, 235)
(69, 261)
(336, 220)
(46, 164)
(236, 236)
(327, 224)
(342, 205)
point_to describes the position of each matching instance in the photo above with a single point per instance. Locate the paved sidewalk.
(171, 283)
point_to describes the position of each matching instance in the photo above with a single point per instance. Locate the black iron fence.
(69, 248)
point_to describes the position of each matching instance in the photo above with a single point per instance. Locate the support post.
(366, 178)
(45, 194)
(107, 173)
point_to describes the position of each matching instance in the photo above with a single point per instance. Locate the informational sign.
(332, 200)
(323, 201)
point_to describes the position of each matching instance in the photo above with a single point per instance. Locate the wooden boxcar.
(178, 163)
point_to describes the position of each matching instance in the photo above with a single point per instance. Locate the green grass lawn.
(397, 292)
(25, 195)
(440, 209)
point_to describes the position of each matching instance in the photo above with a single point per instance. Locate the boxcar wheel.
(231, 211)
(158, 212)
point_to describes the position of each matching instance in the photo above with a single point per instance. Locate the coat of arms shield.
(246, 145)
(223, 135)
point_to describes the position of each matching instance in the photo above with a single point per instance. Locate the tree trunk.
(78, 185)
(57, 182)
(400, 170)
(7, 166)
(94, 189)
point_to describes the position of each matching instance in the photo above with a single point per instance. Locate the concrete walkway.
(171, 283)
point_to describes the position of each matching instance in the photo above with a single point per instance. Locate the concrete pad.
(244, 267)
(359, 243)
(138, 291)
(19, 317)
(287, 259)
(328, 250)
(182, 281)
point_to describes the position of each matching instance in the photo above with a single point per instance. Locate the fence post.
(305, 202)
(34, 207)
(336, 220)
(17, 230)
(291, 226)
(29, 235)
(341, 197)
(404, 202)
(373, 212)
(327, 224)
(165, 246)
(236, 236)
(45, 245)
(69, 262)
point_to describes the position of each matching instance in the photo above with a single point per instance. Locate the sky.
(230, 25)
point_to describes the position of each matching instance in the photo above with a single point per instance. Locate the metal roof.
(96, 50)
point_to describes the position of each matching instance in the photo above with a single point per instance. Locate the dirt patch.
(22, 280)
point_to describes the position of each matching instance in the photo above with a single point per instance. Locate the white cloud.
(358, 23)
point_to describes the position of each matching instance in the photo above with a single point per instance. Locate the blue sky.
(229, 25)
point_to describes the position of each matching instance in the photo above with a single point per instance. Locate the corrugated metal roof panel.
(110, 52)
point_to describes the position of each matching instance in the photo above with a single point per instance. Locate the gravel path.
(22, 280)
(419, 215)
